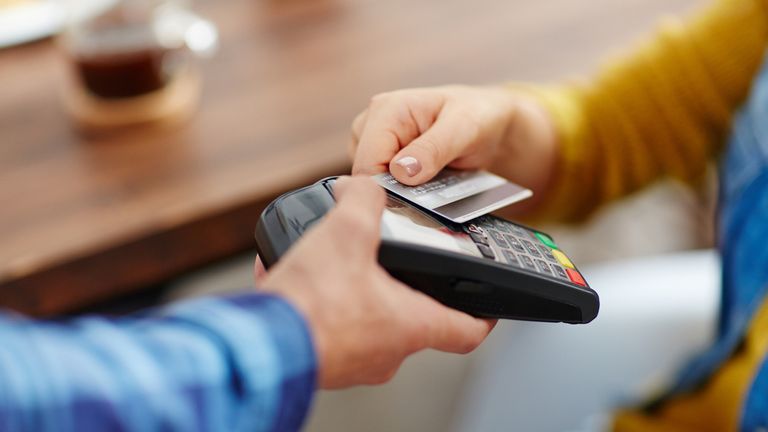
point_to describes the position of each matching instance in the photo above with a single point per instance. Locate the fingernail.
(411, 164)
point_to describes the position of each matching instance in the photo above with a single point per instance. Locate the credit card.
(458, 195)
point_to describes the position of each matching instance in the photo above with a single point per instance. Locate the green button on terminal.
(547, 240)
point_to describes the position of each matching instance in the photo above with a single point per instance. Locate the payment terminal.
(487, 267)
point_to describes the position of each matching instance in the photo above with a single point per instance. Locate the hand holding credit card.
(458, 195)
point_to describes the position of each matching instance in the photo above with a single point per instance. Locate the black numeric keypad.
(521, 248)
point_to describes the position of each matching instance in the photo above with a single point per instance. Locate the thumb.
(426, 155)
(360, 202)
(361, 193)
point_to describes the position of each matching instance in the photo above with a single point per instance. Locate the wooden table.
(87, 219)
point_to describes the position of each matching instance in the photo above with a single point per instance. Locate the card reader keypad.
(522, 248)
(498, 238)
(514, 243)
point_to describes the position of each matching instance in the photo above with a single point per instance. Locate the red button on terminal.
(575, 277)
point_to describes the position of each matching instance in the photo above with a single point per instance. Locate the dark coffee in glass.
(121, 59)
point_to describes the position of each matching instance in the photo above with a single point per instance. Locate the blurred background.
(140, 140)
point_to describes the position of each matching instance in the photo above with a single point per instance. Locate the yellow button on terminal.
(562, 258)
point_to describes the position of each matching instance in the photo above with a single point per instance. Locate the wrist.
(294, 291)
(316, 325)
(529, 150)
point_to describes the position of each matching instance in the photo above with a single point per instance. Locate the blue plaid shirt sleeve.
(242, 363)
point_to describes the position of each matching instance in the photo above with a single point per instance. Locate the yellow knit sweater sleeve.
(663, 111)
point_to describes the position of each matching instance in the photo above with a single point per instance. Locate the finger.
(359, 195)
(358, 125)
(258, 269)
(454, 331)
(442, 143)
(462, 333)
(357, 129)
(359, 204)
(388, 126)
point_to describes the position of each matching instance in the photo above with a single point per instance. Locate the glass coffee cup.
(135, 63)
